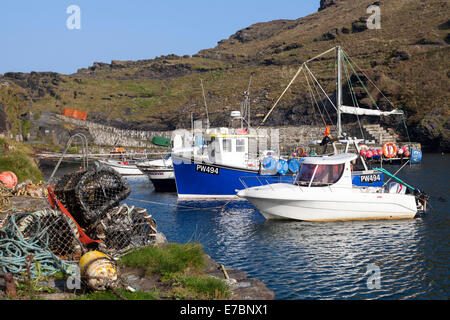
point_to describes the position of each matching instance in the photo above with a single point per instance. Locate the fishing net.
(88, 195)
(124, 228)
(55, 231)
(93, 200)
(43, 238)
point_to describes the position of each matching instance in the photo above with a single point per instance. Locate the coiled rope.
(15, 248)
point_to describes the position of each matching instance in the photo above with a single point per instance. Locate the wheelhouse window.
(227, 145)
(324, 175)
(240, 145)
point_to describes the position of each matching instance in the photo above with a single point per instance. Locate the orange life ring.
(301, 152)
(389, 150)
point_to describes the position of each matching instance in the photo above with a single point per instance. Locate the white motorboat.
(160, 172)
(323, 191)
(125, 168)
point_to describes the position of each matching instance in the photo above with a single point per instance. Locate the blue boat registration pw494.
(370, 178)
(207, 169)
(374, 179)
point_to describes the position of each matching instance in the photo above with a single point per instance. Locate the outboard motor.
(421, 199)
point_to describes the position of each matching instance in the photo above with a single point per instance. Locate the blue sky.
(34, 35)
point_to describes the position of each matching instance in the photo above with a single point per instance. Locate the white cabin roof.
(334, 159)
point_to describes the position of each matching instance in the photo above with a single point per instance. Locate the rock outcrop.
(407, 59)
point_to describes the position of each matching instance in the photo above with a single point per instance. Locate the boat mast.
(206, 106)
(339, 92)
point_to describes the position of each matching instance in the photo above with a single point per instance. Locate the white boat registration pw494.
(323, 191)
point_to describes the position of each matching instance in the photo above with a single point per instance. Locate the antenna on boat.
(339, 91)
(206, 106)
(248, 99)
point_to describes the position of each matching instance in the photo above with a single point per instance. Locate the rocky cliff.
(407, 59)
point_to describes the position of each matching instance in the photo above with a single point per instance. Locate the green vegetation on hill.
(19, 160)
(407, 59)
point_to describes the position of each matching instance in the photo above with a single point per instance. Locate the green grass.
(173, 259)
(180, 266)
(26, 127)
(19, 161)
(206, 286)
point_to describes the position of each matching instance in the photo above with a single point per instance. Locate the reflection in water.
(302, 260)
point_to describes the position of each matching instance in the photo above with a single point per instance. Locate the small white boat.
(323, 191)
(124, 168)
(160, 172)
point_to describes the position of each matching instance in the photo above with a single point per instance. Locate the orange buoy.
(389, 150)
(8, 178)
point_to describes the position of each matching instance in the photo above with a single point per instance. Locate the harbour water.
(404, 259)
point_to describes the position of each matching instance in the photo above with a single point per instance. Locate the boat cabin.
(228, 148)
(323, 171)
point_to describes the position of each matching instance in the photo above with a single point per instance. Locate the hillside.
(408, 59)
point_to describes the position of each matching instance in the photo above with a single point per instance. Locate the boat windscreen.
(324, 175)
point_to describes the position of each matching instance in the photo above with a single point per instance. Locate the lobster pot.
(118, 237)
(65, 191)
(60, 232)
(125, 228)
(88, 195)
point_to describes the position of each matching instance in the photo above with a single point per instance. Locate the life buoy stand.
(389, 150)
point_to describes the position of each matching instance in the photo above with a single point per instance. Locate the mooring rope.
(184, 207)
(16, 250)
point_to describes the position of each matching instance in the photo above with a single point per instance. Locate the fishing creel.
(89, 195)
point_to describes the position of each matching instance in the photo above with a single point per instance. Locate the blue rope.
(14, 249)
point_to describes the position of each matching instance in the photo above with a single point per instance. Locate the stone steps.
(378, 133)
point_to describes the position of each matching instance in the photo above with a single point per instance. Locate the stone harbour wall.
(288, 138)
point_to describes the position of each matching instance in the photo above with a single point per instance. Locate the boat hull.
(333, 206)
(163, 179)
(124, 170)
(205, 181)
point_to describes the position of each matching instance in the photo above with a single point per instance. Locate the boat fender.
(269, 163)
(364, 147)
(8, 178)
(294, 165)
(416, 156)
(282, 166)
(389, 150)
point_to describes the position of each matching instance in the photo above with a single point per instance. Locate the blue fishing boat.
(214, 169)
(199, 180)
